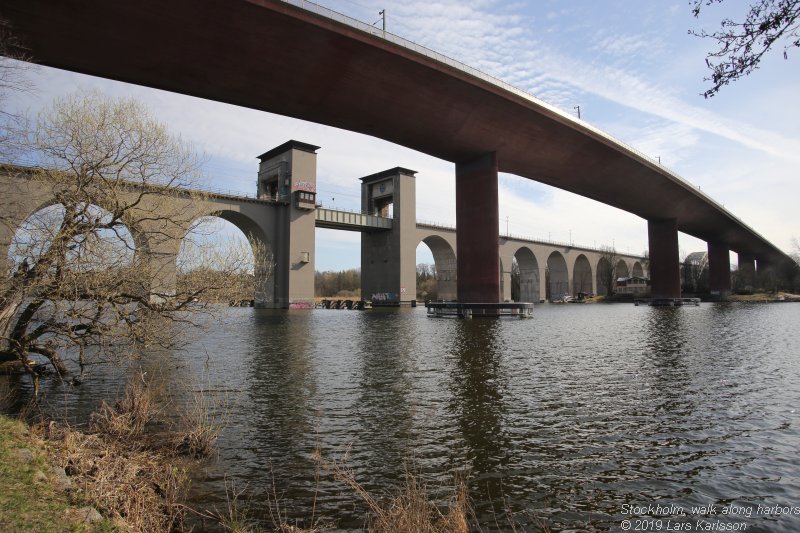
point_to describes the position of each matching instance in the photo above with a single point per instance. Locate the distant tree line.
(347, 283)
(216, 286)
(426, 282)
(341, 283)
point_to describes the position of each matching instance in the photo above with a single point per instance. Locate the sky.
(632, 68)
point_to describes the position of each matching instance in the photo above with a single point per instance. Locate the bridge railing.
(437, 225)
(528, 238)
(346, 210)
(346, 218)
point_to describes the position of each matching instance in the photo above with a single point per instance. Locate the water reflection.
(566, 416)
(384, 409)
(477, 401)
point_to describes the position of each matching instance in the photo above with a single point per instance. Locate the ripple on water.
(566, 416)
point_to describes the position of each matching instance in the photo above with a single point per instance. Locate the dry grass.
(129, 415)
(131, 474)
(236, 515)
(200, 425)
(411, 509)
(141, 489)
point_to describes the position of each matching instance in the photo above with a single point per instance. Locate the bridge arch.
(251, 229)
(32, 198)
(558, 276)
(93, 249)
(604, 277)
(444, 258)
(262, 253)
(637, 269)
(621, 270)
(528, 272)
(582, 275)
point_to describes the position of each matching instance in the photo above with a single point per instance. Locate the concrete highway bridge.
(301, 60)
(283, 214)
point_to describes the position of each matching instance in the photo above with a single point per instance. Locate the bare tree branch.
(97, 268)
(742, 45)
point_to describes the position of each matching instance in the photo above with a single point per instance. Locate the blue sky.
(632, 68)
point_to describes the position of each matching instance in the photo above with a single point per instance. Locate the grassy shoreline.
(26, 464)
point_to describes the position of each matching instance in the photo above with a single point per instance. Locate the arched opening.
(338, 264)
(226, 258)
(605, 277)
(525, 276)
(558, 277)
(436, 281)
(73, 275)
(94, 242)
(621, 270)
(637, 270)
(582, 276)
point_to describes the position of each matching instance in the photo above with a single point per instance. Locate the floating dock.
(668, 302)
(470, 310)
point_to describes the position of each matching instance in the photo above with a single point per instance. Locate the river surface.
(569, 418)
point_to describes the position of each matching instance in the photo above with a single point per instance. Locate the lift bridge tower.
(388, 258)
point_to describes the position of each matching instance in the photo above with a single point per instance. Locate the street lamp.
(382, 13)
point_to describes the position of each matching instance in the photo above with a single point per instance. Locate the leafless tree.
(742, 44)
(94, 270)
(14, 66)
(223, 272)
(606, 273)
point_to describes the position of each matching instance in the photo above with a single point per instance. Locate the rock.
(23, 455)
(61, 482)
(88, 515)
(39, 477)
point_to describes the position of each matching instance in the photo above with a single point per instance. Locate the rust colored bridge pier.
(665, 274)
(747, 269)
(477, 213)
(719, 269)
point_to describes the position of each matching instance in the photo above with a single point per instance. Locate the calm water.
(566, 417)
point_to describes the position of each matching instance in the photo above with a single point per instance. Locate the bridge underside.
(272, 56)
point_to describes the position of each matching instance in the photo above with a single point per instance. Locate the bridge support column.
(505, 282)
(477, 241)
(287, 175)
(542, 283)
(746, 272)
(719, 270)
(388, 258)
(163, 272)
(6, 238)
(665, 274)
(765, 275)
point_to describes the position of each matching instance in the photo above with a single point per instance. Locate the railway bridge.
(283, 214)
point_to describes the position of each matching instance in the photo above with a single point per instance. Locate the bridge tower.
(287, 175)
(388, 258)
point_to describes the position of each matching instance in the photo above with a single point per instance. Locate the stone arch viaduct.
(298, 59)
(278, 219)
